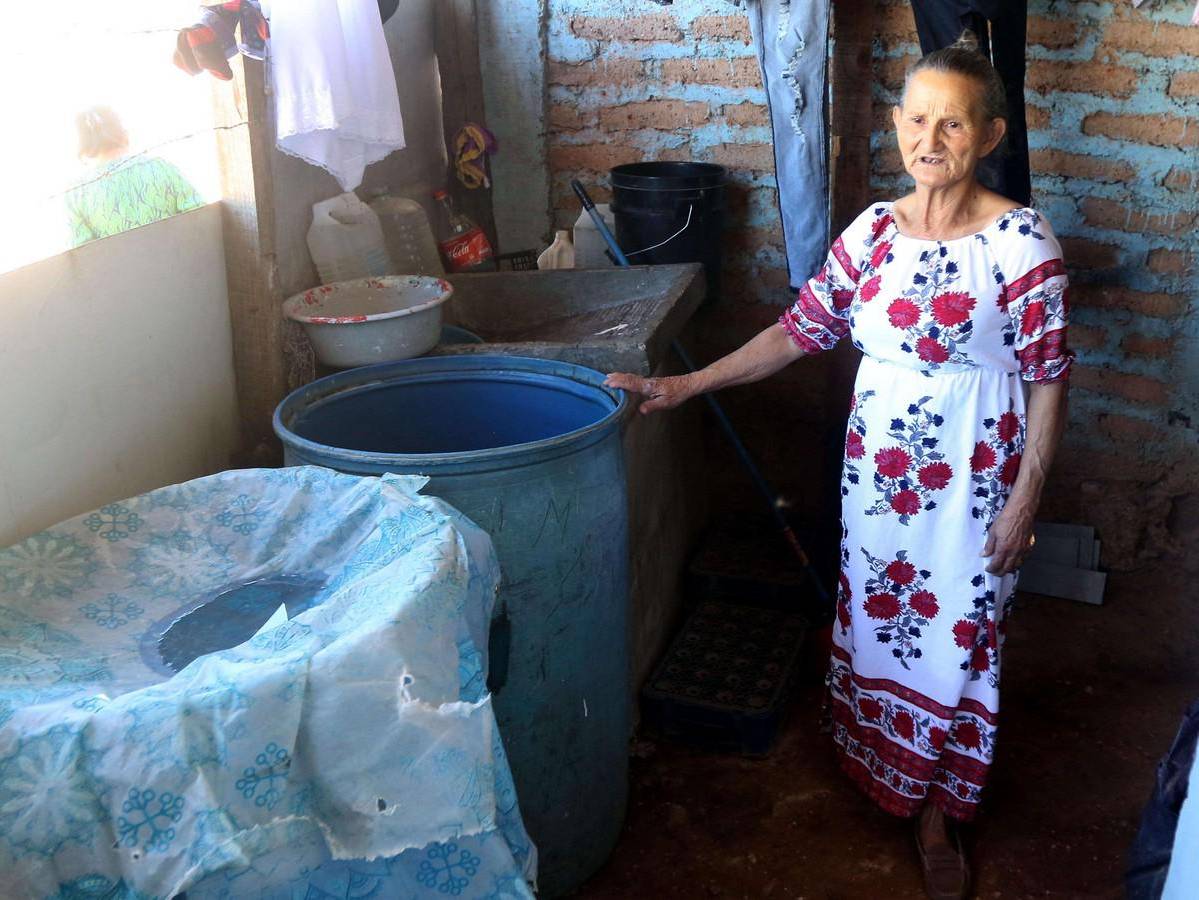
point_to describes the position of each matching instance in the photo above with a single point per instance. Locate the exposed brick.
(1152, 38)
(617, 70)
(1126, 428)
(1169, 262)
(1046, 76)
(1088, 254)
(1137, 388)
(754, 240)
(893, 69)
(895, 25)
(889, 161)
(1110, 214)
(1080, 165)
(755, 157)
(1037, 117)
(664, 114)
(1184, 84)
(1158, 305)
(1180, 179)
(1161, 131)
(1087, 337)
(592, 157)
(721, 27)
(1142, 345)
(738, 72)
(632, 28)
(1052, 33)
(746, 113)
(566, 117)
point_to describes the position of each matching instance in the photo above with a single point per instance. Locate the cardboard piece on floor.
(1067, 582)
(1064, 563)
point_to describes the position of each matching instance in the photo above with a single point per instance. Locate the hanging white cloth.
(336, 104)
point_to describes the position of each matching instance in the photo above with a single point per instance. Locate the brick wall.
(1113, 108)
(636, 80)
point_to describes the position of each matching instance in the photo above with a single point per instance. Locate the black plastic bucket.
(670, 212)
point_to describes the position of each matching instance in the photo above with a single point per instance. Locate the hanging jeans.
(1000, 26)
(791, 39)
(1149, 859)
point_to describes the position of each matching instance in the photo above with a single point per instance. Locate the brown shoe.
(946, 872)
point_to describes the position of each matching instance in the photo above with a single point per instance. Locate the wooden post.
(852, 77)
(457, 44)
(244, 139)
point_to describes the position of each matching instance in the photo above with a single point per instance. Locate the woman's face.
(941, 132)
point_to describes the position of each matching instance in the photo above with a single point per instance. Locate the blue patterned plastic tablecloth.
(267, 683)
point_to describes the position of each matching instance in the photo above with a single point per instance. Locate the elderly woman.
(955, 295)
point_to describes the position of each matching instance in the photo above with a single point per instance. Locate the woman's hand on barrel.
(662, 393)
(1009, 539)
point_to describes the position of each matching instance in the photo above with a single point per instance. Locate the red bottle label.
(466, 251)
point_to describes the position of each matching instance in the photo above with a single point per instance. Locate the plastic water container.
(589, 246)
(407, 235)
(346, 240)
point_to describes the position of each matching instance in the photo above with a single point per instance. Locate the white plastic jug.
(558, 255)
(407, 235)
(346, 240)
(589, 246)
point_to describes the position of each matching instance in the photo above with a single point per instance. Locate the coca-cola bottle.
(463, 245)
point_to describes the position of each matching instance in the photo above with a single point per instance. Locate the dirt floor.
(1092, 697)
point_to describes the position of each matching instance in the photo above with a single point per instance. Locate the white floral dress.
(948, 331)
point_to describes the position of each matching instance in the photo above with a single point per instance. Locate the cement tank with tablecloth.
(267, 683)
(530, 449)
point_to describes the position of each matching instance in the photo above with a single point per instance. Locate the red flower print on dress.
(936, 737)
(901, 572)
(983, 458)
(892, 462)
(952, 309)
(935, 476)
(976, 633)
(844, 596)
(903, 314)
(964, 633)
(979, 661)
(870, 708)
(914, 448)
(890, 601)
(855, 441)
(1010, 469)
(869, 290)
(938, 334)
(903, 724)
(995, 464)
(1009, 426)
(931, 350)
(925, 603)
(967, 735)
(882, 606)
(880, 254)
(1032, 320)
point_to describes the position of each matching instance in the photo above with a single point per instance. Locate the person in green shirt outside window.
(121, 191)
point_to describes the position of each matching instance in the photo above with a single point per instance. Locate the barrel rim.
(365, 376)
(709, 175)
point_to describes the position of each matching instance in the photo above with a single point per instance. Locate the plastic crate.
(725, 681)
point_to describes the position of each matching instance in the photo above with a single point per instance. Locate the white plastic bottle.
(589, 246)
(407, 235)
(346, 240)
(558, 255)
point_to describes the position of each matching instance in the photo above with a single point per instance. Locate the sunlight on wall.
(115, 54)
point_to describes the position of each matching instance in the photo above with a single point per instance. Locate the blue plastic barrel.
(531, 450)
